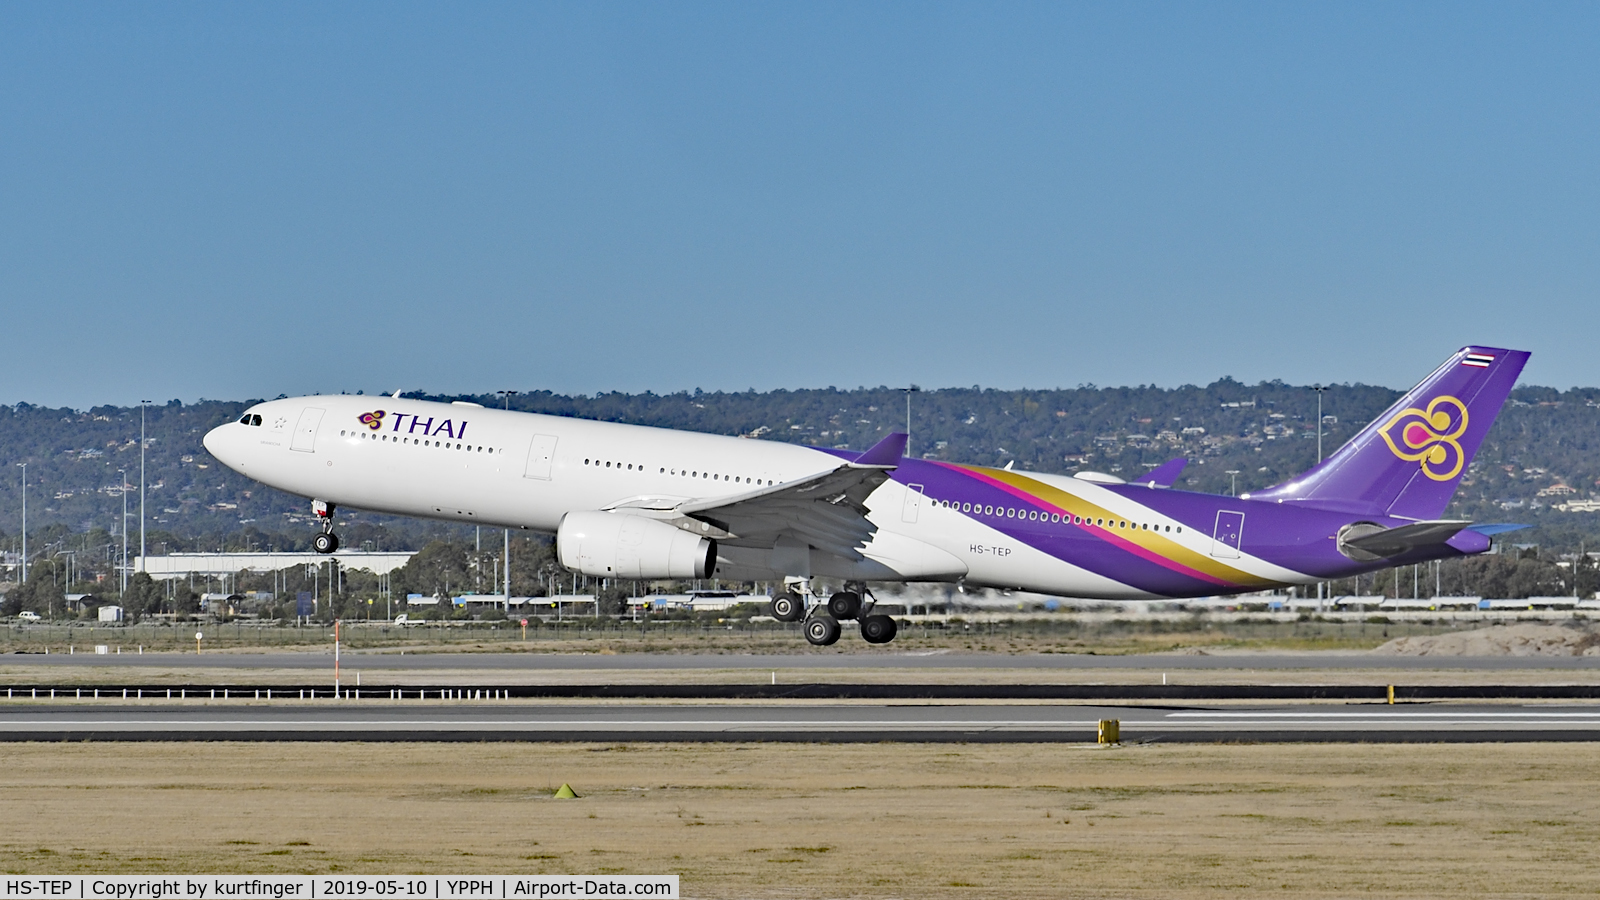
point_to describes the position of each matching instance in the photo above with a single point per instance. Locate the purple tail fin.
(1408, 461)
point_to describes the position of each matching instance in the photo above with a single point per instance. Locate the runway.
(516, 721)
(885, 659)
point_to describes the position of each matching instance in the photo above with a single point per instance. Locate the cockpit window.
(255, 420)
(249, 419)
(245, 419)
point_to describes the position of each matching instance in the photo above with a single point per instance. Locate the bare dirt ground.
(1521, 639)
(802, 821)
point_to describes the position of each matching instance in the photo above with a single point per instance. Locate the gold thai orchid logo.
(1431, 437)
(373, 420)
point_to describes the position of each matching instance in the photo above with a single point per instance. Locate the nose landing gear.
(327, 541)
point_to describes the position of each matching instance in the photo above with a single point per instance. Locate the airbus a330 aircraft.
(626, 501)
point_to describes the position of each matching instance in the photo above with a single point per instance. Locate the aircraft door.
(1229, 533)
(305, 431)
(540, 457)
(913, 504)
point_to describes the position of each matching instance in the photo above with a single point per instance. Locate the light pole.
(143, 404)
(909, 391)
(507, 583)
(1234, 475)
(24, 522)
(122, 488)
(66, 579)
(1319, 389)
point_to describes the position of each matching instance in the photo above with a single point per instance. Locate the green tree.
(436, 570)
(144, 596)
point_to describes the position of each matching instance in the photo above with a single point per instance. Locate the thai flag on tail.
(1477, 360)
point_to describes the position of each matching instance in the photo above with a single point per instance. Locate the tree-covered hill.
(1541, 453)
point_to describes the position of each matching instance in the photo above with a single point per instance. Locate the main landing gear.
(327, 541)
(822, 631)
(788, 607)
(822, 620)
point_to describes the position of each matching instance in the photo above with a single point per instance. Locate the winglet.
(1164, 475)
(885, 454)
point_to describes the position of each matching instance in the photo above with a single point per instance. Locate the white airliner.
(632, 502)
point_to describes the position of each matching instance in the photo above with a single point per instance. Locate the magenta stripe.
(1160, 560)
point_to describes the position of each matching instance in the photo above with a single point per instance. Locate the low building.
(697, 601)
(220, 604)
(182, 565)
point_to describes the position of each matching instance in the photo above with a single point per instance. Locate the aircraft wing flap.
(828, 510)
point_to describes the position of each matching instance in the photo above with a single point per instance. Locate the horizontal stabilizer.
(1368, 542)
(885, 454)
(1164, 475)
(1490, 529)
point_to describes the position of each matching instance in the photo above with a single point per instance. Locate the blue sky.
(236, 200)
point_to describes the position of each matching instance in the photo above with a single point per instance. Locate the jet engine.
(609, 545)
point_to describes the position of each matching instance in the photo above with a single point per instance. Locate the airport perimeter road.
(431, 721)
(887, 659)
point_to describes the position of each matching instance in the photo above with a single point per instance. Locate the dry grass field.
(994, 634)
(1240, 670)
(800, 821)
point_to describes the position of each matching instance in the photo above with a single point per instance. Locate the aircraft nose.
(213, 441)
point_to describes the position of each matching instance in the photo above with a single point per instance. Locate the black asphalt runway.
(886, 659)
(502, 721)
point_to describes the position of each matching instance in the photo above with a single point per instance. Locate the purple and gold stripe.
(1151, 546)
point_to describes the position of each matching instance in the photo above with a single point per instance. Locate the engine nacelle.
(609, 545)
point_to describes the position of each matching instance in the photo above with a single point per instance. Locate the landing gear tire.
(327, 541)
(844, 605)
(788, 607)
(822, 631)
(878, 629)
